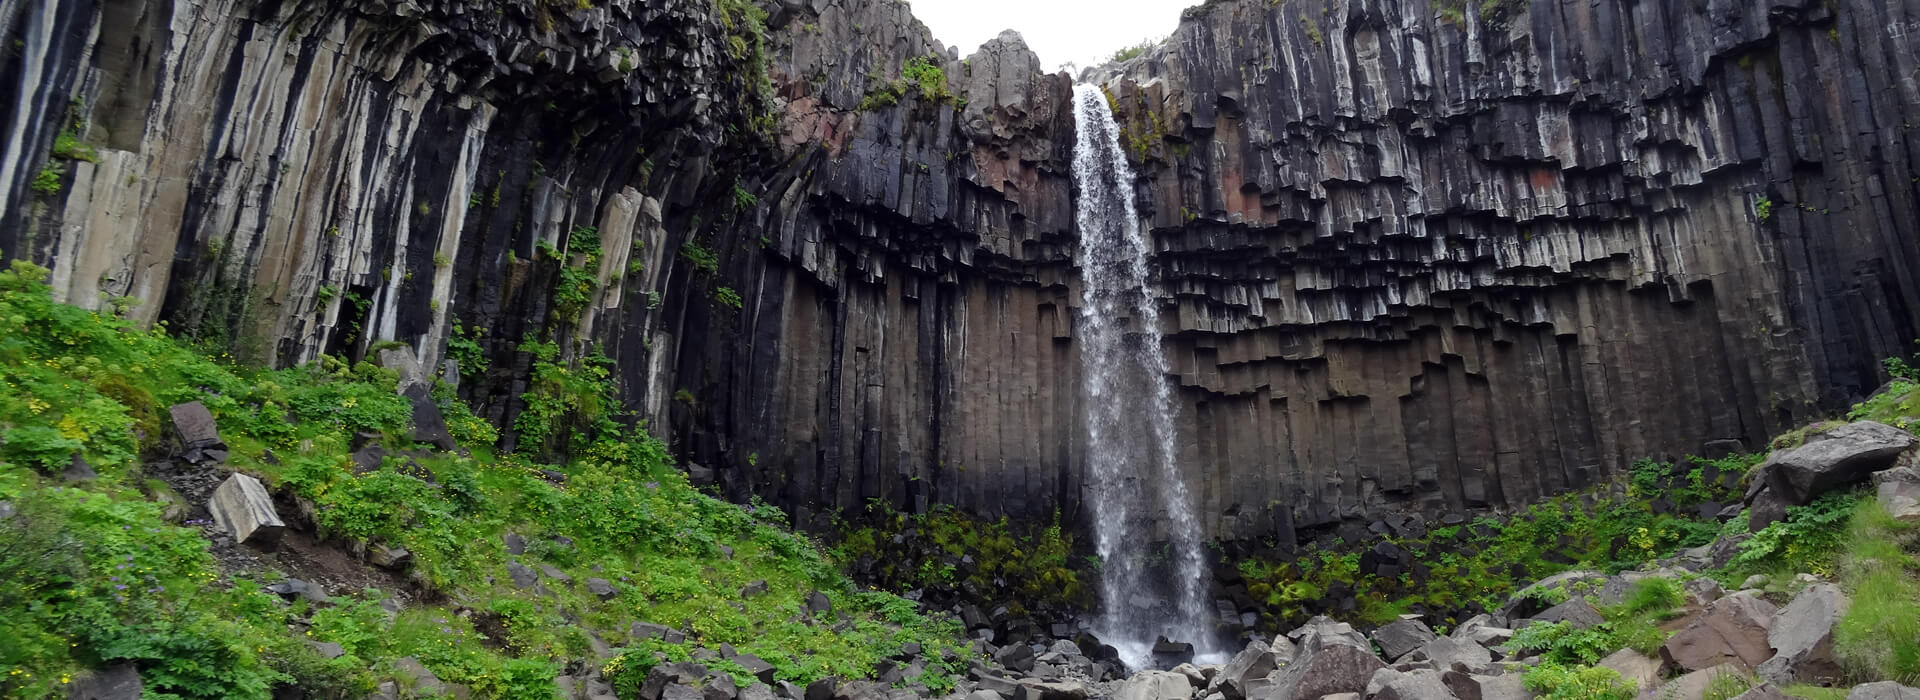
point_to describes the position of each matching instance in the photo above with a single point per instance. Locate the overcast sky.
(1085, 32)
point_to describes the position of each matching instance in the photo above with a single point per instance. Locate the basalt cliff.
(1413, 255)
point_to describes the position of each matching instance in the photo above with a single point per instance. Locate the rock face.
(1412, 254)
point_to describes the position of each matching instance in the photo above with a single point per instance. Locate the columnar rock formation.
(1414, 253)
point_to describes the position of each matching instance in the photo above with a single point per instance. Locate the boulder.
(1331, 658)
(1732, 630)
(521, 576)
(1577, 612)
(752, 589)
(1883, 690)
(78, 470)
(429, 426)
(1802, 637)
(719, 686)
(1252, 663)
(755, 666)
(1842, 456)
(402, 360)
(418, 678)
(116, 682)
(673, 680)
(391, 558)
(327, 650)
(1526, 602)
(1702, 591)
(602, 589)
(818, 603)
(294, 588)
(1644, 671)
(1057, 690)
(199, 435)
(1017, 657)
(1171, 653)
(1401, 636)
(1898, 491)
(1154, 685)
(1510, 686)
(243, 508)
(1694, 685)
(1447, 651)
(1766, 508)
(1419, 684)
(1193, 674)
(984, 694)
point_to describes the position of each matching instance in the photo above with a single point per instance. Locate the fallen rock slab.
(1839, 457)
(1332, 658)
(1802, 637)
(1642, 670)
(243, 508)
(1401, 636)
(1898, 491)
(1732, 629)
(1694, 685)
(1252, 663)
(199, 435)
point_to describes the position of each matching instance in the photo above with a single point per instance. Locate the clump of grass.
(1879, 637)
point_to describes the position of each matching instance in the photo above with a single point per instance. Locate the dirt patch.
(299, 554)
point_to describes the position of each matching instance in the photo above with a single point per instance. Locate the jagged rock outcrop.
(1417, 254)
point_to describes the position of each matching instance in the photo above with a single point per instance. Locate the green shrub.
(1808, 540)
(702, 259)
(727, 297)
(1560, 682)
(1879, 637)
(95, 576)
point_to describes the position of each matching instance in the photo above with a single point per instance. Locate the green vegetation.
(702, 259)
(579, 277)
(1557, 682)
(463, 347)
(1478, 565)
(68, 145)
(47, 182)
(1763, 209)
(1880, 635)
(103, 571)
(1633, 624)
(727, 297)
(745, 25)
(947, 553)
(920, 76)
(1136, 50)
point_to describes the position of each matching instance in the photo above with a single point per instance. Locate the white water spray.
(1143, 516)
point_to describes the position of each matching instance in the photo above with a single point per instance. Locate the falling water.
(1142, 514)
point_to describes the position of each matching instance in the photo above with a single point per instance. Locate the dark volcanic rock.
(1407, 259)
(1842, 456)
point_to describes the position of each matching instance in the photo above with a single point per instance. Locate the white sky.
(1085, 32)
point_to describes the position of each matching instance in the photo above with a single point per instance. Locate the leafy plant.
(1561, 682)
(726, 296)
(702, 259)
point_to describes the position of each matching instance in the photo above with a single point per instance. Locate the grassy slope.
(97, 574)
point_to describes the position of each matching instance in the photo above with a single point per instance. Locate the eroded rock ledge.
(1419, 257)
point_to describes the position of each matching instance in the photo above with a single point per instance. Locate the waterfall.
(1143, 516)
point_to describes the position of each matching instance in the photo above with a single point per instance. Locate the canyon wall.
(1415, 255)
